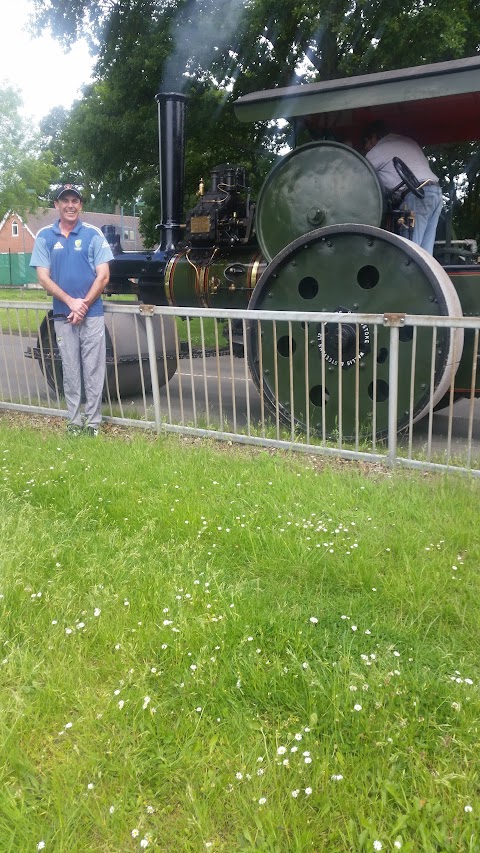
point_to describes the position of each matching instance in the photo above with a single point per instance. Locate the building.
(17, 236)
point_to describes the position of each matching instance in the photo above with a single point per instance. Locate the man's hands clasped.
(78, 310)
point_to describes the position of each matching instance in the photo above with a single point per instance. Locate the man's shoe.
(90, 430)
(74, 429)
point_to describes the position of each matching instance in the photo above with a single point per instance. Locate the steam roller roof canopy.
(436, 103)
(321, 183)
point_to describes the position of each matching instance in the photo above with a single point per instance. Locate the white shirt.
(393, 145)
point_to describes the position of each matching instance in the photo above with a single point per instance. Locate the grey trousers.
(83, 353)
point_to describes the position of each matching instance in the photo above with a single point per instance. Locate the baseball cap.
(67, 188)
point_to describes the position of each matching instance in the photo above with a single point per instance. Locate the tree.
(26, 172)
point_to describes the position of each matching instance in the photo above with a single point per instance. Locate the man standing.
(381, 147)
(71, 258)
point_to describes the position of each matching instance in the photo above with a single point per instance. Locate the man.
(72, 262)
(381, 147)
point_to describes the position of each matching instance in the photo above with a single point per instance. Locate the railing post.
(148, 312)
(394, 321)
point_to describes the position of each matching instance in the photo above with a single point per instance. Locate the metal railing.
(178, 370)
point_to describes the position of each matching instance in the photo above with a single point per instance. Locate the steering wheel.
(408, 178)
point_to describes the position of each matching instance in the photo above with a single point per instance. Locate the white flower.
(41, 845)
(377, 845)
(281, 750)
(337, 777)
(354, 628)
(97, 611)
(144, 843)
(308, 791)
(262, 801)
(121, 704)
(295, 793)
(90, 786)
(357, 707)
(146, 702)
(313, 620)
(150, 810)
(397, 844)
(238, 775)
(468, 809)
(111, 809)
(135, 833)
(298, 736)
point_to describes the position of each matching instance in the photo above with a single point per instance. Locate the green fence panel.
(15, 269)
(5, 270)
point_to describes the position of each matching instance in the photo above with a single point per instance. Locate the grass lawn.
(205, 648)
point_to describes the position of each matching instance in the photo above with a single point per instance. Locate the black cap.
(67, 188)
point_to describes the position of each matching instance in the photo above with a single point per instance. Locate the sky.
(45, 76)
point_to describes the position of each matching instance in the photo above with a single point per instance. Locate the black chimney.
(171, 141)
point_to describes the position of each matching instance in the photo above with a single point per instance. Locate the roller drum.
(126, 344)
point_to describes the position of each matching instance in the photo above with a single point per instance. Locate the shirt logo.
(78, 245)
(58, 245)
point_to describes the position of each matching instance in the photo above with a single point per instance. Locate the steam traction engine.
(321, 239)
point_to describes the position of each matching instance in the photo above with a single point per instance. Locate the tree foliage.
(26, 172)
(216, 50)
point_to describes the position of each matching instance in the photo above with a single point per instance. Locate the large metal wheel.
(330, 376)
(125, 339)
(316, 185)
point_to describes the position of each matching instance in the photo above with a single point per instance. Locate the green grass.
(186, 631)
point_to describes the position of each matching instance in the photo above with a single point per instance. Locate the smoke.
(200, 30)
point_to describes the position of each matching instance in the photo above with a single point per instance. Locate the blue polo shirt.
(72, 261)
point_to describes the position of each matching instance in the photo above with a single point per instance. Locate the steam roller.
(349, 265)
(322, 237)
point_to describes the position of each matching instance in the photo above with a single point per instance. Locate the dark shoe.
(74, 429)
(90, 430)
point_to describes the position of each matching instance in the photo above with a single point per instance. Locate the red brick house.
(17, 237)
